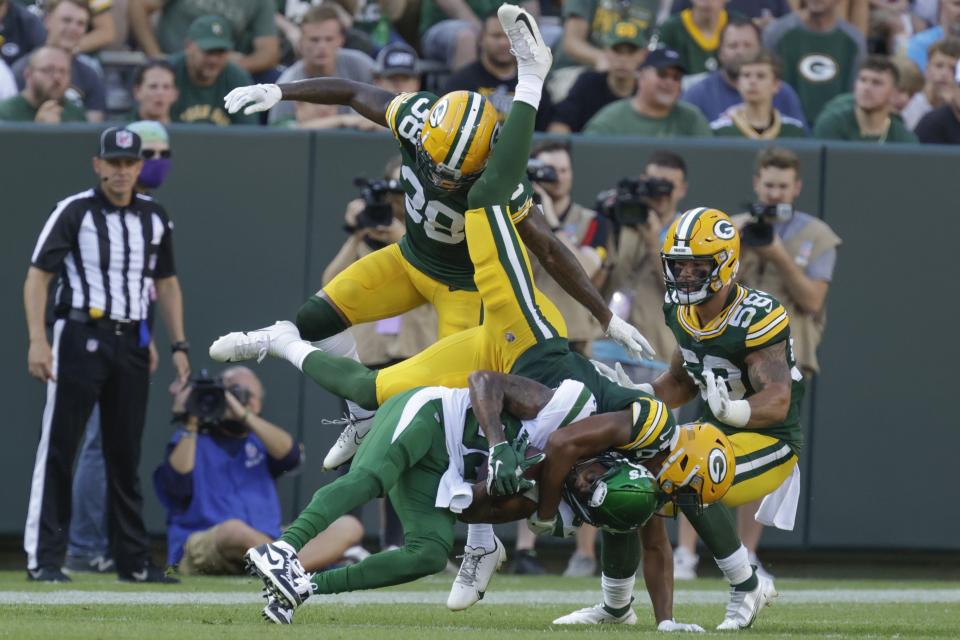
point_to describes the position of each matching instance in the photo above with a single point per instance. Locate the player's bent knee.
(429, 556)
(317, 318)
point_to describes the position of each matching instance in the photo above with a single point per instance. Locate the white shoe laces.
(467, 576)
(520, 45)
(243, 347)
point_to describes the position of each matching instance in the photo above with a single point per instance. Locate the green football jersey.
(698, 50)
(752, 320)
(435, 241)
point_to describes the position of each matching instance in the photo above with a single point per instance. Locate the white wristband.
(738, 413)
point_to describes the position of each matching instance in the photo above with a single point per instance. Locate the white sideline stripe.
(572, 598)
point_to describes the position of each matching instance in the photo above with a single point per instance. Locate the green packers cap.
(625, 33)
(211, 33)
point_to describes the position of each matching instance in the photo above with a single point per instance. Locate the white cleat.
(597, 615)
(347, 444)
(526, 44)
(476, 570)
(283, 576)
(257, 344)
(276, 611)
(744, 606)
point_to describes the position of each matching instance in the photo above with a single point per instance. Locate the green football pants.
(403, 457)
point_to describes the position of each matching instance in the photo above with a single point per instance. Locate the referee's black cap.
(117, 142)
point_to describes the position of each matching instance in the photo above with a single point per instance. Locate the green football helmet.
(621, 500)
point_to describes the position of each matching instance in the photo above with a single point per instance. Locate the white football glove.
(629, 338)
(618, 375)
(556, 527)
(669, 625)
(735, 413)
(260, 97)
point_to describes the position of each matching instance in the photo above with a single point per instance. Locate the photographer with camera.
(642, 210)
(217, 479)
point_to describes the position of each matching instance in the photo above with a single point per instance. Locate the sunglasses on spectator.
(149, 154)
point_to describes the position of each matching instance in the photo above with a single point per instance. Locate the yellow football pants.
(516, 315)
(763, 463)
(383, 284)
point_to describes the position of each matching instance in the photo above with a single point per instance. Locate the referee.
(111, 250)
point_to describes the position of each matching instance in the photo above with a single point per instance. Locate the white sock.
(481, 535)
(529, 89)
(296, 352)
(736, 567)
(344, 345)
(617, 592)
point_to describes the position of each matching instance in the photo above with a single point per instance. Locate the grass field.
(515, 607)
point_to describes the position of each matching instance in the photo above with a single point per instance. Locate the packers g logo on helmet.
(700, 466)
(700, 235)
(455, 142)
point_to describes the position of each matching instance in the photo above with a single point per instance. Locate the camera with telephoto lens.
(377, 210)
(629, 203)
(207, 401)
(759, 231)
(540, 171)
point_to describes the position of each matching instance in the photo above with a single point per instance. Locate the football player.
(445, 143)
(734, 349)
(422, 451)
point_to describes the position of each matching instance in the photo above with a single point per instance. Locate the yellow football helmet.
(700, 466)
(456, 139)
(700, 234)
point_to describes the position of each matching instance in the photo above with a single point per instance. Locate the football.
(532, 473)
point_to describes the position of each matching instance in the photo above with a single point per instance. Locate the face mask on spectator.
(154, 172)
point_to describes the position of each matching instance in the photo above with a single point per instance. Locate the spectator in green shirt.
(46, 77)
(204, 75)
(758, 81)
(869, 118)
(656, 109)
(695, 34)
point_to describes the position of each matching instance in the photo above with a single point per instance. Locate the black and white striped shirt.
(107, 257)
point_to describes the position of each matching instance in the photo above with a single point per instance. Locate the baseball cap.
(211, 33)
(663, 58)
(117, 142)
(625, 32)
(149, 131)
(397, 58)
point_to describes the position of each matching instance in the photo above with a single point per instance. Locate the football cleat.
(276, 563)
(476, 570)
(47, 574)
(526, 44)
(257, 344)
(597, 615)
(276, 612)
(744, 606)
(347, 444)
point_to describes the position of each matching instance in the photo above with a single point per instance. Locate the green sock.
(619, 554)
(317, 319)
(341, 496)
(716, 527)
(343, 377)
(508, 160)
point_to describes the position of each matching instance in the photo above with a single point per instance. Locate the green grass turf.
(434, 622)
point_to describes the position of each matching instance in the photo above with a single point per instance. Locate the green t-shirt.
(17, 109)
(431, 13)
(620, 118)
(751, 321)
(435, 241)
(698, 51)
(732, 125)
(838, 121)
(248, 19)
(601, 15)
(205, 104)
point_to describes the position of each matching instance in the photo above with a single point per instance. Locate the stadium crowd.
(861, 70)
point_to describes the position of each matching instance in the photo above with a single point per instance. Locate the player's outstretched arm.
(770, 375)
(674, 386)
(366, 99)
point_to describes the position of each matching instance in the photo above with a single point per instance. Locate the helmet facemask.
(439, 175)
(700, 289)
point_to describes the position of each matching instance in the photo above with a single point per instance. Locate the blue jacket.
(713, 96)
(231, 478)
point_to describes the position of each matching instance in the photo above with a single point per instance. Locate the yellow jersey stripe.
(393, 108)
(652, 426)
(760, 324)
(522, 212)
(687, 318)
(768, 333)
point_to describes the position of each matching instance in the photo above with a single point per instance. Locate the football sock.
(619, 554)
(342, 377)
(716, 527)
(481, 536)
(529, 89)
(617, 593)
(317, 319)
(329, 503)
(736, 567)
(508, 160)
(344, 345)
